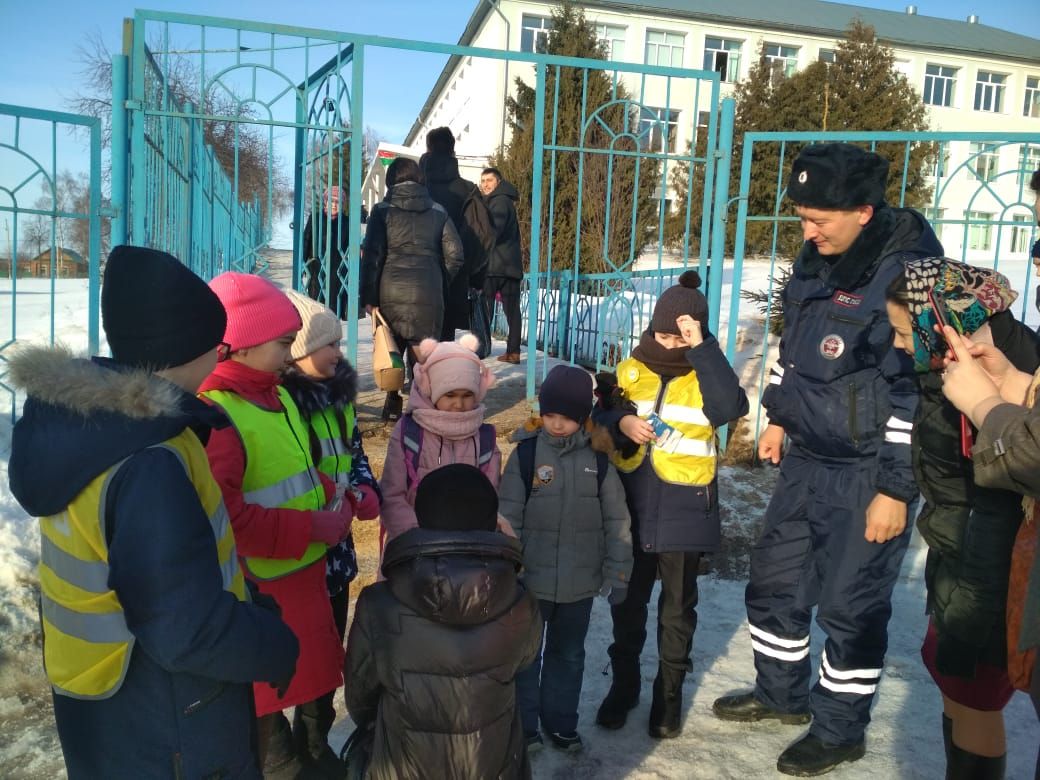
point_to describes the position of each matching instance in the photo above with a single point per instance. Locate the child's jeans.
(550, 687)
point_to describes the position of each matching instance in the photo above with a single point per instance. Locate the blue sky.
(39, 66)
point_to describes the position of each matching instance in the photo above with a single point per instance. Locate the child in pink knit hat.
(279, 505)
(444, 424)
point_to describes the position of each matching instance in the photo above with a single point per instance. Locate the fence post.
(723, 153)
(563, 322)
(533, 298)
(119, 148)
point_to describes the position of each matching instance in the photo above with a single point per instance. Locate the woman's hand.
(966, 383)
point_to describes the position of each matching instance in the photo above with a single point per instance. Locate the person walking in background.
(679, 388)
(150, 639)
(970, 530)
(465, 205)
(565, 502)
(279, 503)
(323, 385)
(434, 649)
(836, 527)
(505, 266)
(330, 231)
(410, 256)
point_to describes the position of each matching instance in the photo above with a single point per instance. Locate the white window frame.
(612, 36)
(672, 42)
(980, 236)
(989, 91)
(539, 34)
(723, 57)
(941, 168)
(933, 74)
(651, 129)
(1021, 233)
(786, 55)
(986, 161)
(1028, 161)
(827, 56)
(1031, 104)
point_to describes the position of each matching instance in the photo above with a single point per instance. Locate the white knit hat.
(321, 326)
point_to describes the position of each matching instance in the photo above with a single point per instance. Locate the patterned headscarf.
(969, 295)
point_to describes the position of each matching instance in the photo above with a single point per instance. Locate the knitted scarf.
(659, 359)
(969, 295)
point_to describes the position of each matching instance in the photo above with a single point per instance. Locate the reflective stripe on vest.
(692, 459)
(87, 644)
(279, 471)
(336, 458)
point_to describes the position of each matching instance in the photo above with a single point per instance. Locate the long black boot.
(947, 735)
(311, 726)
(281, 761)
(623, 694)
(962, 765)
(666, 708)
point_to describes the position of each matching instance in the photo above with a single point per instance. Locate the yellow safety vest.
(87, 644)
(693, 459)
(336, 457)
(280, 473)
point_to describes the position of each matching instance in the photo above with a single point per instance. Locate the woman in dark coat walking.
(410, 255)
(970, 530)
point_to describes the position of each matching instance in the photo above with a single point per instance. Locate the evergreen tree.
(601, 214)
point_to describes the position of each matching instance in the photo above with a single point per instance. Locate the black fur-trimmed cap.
(838, 176)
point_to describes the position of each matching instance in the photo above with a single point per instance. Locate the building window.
(653, 123)
(664, 48)
(613, 39)
(1032, 104)
(827, 56)
(723, 57)
(785, 57)
(939, 82)
(984, 158)
(1021, 233)
(534, 33)
(1029, 158)
(980, 230)
(942, 161)
(934, 215)
(703, 118)
(989, 91)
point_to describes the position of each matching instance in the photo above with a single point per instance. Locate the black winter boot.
(281, 761)
(962, 765)
(622, 696)
(947, 734)
(311, 725)
(666, 708)
(811, 756)
(746, 708)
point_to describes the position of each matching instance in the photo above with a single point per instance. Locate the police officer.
(836, 527)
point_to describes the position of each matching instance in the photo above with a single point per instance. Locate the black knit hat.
(837, 176)
(682, 298)
(155, 311)
(567, 390)
(456, 498)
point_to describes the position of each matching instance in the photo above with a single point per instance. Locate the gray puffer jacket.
(576, 534)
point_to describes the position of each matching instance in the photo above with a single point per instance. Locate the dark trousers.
(676, 609)
(510, 289)
(1034, 694)
(551, 686)
(313, 720)
(812, 551)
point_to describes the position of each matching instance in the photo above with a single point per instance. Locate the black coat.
(335, 234)
(433, 653)
(411, 252)
(506, 259)
(969, 530)
(450, 190)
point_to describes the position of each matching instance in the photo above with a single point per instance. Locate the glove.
(617, 596)
(368, 504)
(261, 599)
(955, 657)
(331, 527)
(281, 687)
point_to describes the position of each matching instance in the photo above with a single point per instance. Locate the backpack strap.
(411, 444)
(487, 438)
(602, 464)
(525, 459)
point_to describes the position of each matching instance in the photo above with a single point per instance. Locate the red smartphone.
(967, 434)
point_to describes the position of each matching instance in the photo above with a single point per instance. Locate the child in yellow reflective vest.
(276, 498)
(323, 385)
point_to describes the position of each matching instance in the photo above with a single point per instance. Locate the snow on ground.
(904, 740)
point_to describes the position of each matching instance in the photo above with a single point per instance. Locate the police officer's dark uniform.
(846, 400)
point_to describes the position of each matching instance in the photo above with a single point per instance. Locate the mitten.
(955, 657)
(261, 599)
(331, 527)
(617, 596)
(367, 502)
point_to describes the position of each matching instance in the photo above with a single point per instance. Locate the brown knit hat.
(682, 298)
(321, 326)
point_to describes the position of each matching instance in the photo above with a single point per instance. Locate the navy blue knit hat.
(567, 390)
(838, 176)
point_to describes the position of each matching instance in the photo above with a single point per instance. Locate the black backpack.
(525, 455)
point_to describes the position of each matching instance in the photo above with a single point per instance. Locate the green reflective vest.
(280, 473)
(87, 644)
(336, 457)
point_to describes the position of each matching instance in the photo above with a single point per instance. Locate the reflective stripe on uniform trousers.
(796, 649)
(837, 681)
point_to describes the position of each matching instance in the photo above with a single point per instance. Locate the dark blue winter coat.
(680, 518)
(838, 388)
(185, 706)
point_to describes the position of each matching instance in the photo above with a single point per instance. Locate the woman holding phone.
(969, 530)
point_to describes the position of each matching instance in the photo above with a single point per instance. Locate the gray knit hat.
(321, 326)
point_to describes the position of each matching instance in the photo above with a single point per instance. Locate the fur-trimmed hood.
(313, 396)
(599, 438)
(82, 416)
